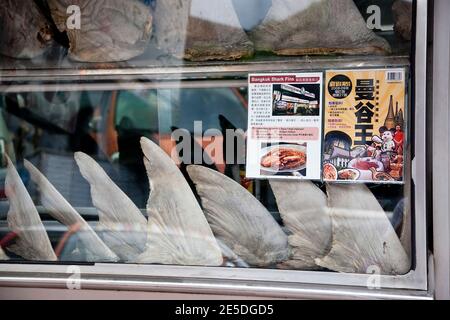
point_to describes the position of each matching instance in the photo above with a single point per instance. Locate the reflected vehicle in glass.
(95, 175)
(108, 126)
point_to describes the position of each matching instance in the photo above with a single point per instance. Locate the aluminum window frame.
(257, 282)
(441, 147)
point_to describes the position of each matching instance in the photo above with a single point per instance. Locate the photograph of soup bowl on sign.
(365, 126)
(296, 100)
(284, 159)
(284, 136)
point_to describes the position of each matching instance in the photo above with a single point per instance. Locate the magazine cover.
(364, 125)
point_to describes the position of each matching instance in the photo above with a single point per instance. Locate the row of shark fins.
(197, 30)
(345, 230)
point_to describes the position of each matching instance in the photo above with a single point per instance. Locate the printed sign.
(364, 125)
(285, 126)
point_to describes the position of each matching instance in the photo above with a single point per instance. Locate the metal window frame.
(258, 282)
(441, 147)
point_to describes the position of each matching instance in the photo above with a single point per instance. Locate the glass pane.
(124, 128)
(106, 186)
(79, 34)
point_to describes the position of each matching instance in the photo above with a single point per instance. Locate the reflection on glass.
(139, 33)
(97, 191)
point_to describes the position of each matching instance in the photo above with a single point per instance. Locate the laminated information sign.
(364, 125)
(285, 126)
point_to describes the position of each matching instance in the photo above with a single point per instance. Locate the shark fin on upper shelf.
(201, 30)
(316, 27)
(24, 31)
(108, 30)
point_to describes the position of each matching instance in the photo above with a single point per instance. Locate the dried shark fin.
(110, 30)
(232, 166)
(316, 27)
(178, 232)
(401, 222)
(406, 226)
(171, 22)
(405, 234)
(61, 210)
(201, 30)
(23, 219)
(363, 237)
(3, 255)
(124, 224)
(239, 219)
(24, 31)
(215, 33)
(194, 146)
(230, 256)
(303, 208)
(402, 10)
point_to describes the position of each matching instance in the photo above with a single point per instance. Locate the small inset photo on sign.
(296, 100)
(283, 159)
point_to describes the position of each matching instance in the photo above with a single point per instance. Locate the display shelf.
(16, 75)
(154, 64)
(155, 70)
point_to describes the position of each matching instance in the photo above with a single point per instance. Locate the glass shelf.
(46, 74)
